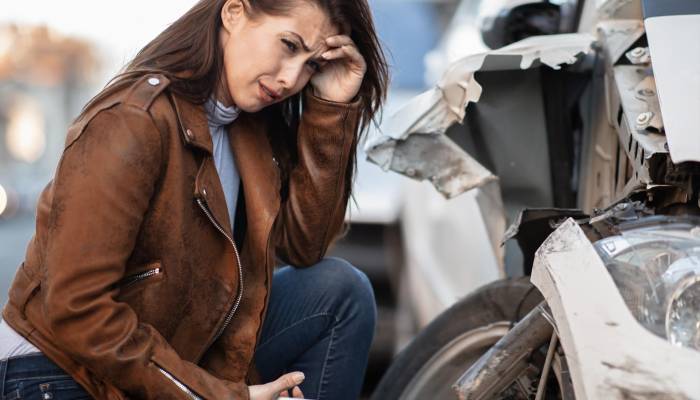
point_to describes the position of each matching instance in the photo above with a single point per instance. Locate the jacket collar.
(259, 173)
(193, 123)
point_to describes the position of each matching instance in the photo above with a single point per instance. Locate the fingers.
(296, 393)
(342, 46)
(338, 52)
(286, 381)
(339, 40)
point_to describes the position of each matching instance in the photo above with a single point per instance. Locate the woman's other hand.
(275, 389)
(296, 393)
(340, 78)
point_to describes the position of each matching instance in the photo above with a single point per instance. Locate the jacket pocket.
(151, 272)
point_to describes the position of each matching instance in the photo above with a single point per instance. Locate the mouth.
(268, 94)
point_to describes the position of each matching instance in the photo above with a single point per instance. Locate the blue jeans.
(320, 321)
(35, 377)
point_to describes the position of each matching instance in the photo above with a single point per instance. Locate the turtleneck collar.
(220, 115)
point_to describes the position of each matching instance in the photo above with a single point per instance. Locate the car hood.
(673, 29)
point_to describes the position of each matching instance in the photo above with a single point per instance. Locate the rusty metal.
(499, 367)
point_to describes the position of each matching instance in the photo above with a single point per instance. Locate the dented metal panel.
(609, 363)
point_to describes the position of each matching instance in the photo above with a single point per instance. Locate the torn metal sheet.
(438, 159)
(435, 110)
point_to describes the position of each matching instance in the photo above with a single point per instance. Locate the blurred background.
(54, 56)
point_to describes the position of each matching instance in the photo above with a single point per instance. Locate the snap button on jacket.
(133, 282)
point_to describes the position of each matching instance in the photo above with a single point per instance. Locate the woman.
(227, 143)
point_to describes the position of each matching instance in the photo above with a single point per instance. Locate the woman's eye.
(291, 46)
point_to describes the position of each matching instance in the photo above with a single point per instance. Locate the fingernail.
(298, 377)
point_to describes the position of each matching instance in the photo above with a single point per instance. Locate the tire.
(434, 360)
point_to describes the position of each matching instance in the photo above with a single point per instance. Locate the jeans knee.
(353, 287)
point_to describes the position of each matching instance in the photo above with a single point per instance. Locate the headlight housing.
(656, 266)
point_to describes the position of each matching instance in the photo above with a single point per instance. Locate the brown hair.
(189, 54)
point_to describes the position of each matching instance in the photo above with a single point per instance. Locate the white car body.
(453, 246)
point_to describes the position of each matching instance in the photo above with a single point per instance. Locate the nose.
(289, 76)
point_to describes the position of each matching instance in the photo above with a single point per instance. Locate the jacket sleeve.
(102, 189)
(314, 211)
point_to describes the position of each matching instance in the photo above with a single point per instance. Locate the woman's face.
(269, 58)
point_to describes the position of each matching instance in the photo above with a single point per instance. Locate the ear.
(232, 13)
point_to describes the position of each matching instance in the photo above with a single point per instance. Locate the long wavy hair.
(188, 52)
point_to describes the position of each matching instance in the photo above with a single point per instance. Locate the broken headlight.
(657, 269)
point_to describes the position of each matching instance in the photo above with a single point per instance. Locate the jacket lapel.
(260, 176)
(194, 129)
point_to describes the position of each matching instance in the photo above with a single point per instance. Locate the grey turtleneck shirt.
(219, 118)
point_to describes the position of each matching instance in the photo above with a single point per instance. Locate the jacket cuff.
(317, 104)
(329, 119)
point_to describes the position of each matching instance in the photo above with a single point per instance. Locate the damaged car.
(581, 129)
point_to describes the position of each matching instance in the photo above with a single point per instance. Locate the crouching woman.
(227, 144)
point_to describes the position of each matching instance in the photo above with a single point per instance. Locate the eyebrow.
(306, 48)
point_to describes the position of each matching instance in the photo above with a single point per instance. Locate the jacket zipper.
(133, 279)
(130, 280)
(239, 296)
(180, 385)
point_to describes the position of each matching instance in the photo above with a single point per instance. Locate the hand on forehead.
(313, 27)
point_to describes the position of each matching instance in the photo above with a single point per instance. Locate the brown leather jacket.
(132, 282)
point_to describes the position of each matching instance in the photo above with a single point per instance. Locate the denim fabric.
(320, 321)
(35, 377)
